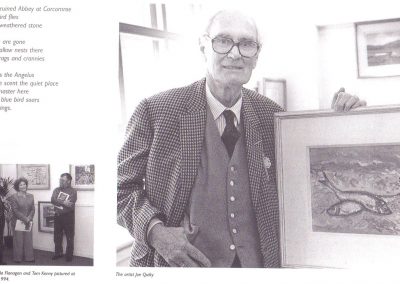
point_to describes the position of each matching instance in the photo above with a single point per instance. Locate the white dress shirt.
(217, 109)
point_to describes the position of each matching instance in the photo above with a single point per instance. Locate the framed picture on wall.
(343, 184)
(275, 89)
(83, 177)
(38, 176)
(46, 217)
(378, 48)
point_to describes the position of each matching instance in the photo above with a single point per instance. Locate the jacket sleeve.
(16, 210)
(74, 197)
(54, 199)
(133, 207)
(32, 209)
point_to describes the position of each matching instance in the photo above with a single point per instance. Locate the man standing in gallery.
(64, 199)
(196, 173)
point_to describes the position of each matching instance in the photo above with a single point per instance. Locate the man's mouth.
(233, 67)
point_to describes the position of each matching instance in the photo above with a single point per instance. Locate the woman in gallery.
(23, 208)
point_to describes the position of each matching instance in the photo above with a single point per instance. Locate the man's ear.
(202, 46)
(255, 60)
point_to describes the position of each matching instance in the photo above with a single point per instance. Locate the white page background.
(78, 123)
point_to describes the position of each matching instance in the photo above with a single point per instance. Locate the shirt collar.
(217, 108)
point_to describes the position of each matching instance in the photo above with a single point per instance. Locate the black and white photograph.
(37, 175)
(46, 216)
(144, 139)
(378, 48)
(339, 187)
(52, 226)
(356, 189)
(83, 177)
(197, 165)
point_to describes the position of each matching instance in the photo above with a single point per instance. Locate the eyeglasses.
(223, 45)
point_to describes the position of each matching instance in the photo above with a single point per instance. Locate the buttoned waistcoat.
(157, 166)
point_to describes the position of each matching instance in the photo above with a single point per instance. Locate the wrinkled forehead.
(233, 25)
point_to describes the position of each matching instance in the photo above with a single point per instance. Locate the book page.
(72, 74)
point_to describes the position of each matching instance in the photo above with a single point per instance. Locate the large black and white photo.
(196, 171)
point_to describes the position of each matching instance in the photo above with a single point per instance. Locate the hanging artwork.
(38, 176)
(378, 48)
(83, 177)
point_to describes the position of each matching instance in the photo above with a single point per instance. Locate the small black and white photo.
(44, 220)
(378, 48)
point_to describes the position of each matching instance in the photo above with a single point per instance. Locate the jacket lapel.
(192, 126)
(254, 147)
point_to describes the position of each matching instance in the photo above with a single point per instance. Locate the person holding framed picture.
(196, 173)
(64, 199)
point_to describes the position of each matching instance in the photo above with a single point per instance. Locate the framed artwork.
(83, 177)
(378, 48)
(339, 187)
(46, 217)
(38, 176)
(275, 89)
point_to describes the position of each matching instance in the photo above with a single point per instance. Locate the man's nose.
(234, 52)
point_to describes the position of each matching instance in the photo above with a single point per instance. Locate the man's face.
(64, 182)
(231, 68)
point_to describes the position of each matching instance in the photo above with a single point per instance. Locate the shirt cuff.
(152, 223)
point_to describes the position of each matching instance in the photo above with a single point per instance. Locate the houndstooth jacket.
(157, 166)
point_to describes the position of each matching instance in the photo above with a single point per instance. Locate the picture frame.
(378, 48)
(313, 234)
(83, 176)
(46, 217)
(38, 175)
(275, 89)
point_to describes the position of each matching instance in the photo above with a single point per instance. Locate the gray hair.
(211, 21)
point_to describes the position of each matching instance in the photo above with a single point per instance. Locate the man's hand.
(343, 101)
(67, 203)
(172, 244)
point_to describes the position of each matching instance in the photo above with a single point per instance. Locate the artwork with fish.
(355, 189)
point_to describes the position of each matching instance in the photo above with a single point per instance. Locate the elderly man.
(196, 174)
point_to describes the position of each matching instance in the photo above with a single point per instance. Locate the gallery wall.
(316, 54)
(84, 212)
(338, 67)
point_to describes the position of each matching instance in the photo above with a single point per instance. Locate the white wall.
(338, 67)
(84, 212)
(317, 62)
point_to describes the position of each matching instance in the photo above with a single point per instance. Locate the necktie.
(231, 134)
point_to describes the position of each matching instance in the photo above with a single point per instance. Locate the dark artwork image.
(383, 48)
(356, 189)
(84, 175)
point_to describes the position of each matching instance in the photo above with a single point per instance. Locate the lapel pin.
(267, 162)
